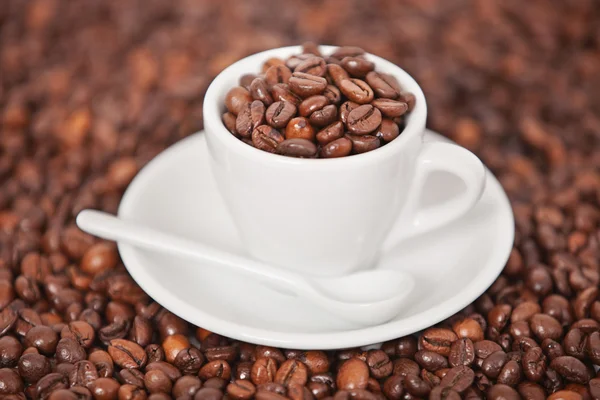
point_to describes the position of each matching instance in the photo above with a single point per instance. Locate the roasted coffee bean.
(168, 369)
(50, 383)
(208, 394)
(530, 390)
(380, 86)
(502, 392)
(186, 386)
(33, 367)
(215, 369)
(379, 364)
(306, 85)
(458, 378)
(462, 352)
(510, 374)
(157, 381)
(388, 131)
(534, 364)
(324, 116)
(132, 377)
(357, 67)
(345, 110)
(269, 352)
(280, 113)
(291, 371)
(250, 117)
(297, 147)
(104, 388)
(571, 369)
(493, 364)
(80, 331)
(236, 99)
(552, 349)
(99, 258)
(189, 360)
(83, 374)
(277, 74)
(353, 374)
(430, 361)
(312, 104)
(103, 362)
(313, 66)
(241, 390)
(416, 386)
(246, 79)
(116, 330)
(299, 128)
(337, 74)
(10, 351)
(338, 148)
(390, 108)
(267, 138)
(243, 370)
(363, 143)
(443, 393)
(544, 326)
(282, 92)
(333, 94)
(438, 340)
(330, 133)
(363, 120)
(127, 354)
(259, 89)
(69, 351)
(356, 90)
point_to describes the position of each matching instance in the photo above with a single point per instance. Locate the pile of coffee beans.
(91, 90)
(311, 106)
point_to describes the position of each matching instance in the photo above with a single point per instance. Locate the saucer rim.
(311, 340)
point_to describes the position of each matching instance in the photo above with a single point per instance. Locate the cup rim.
(213, 109)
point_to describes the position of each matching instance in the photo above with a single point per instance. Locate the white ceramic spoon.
(365, 298)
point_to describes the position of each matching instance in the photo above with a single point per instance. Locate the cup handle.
(441, 156)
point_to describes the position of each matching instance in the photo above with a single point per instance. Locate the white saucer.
(176, 192)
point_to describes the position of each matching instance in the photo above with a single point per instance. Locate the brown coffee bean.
(297, 147)
(357, 67)
(337, 74)
(325, 116)
(312, 104)
(269, 352)
(173, 344)
(379, 364)
(189, 361)
(168, 369)
(236, 98)
(10, 351)
(502, 392)
(353, 374)
(267, 138)
(544, 326)
(333, 94)
(380, 86)
(127, 354)
(49, 383)
(437, 340)
(363, 143)
(282, 92)
(338, 148)
(493, 364)
(443, 393)
(83, 374)
(462, 352)
(186, 386)
(390, 108)
(356, 90)
(132, 377)
(32, 367)
(69, 351)
(534, 364)
(241, 390)
(511, 373)
(306, 85)
(215, 369)
(571, 369)
(157, 381)
(330, 133)
(259, 89)
(387, 131)
(458, 378)
(363, 120)
(280, 113)
(313, 66)
(80, 331)
(565, 395)
(300, 128)
(277, 74)
(99, 258)
(430, 360)
(246, 79)
(42, 338)
(292, 371)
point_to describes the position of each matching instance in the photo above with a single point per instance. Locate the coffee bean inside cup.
(313, 106)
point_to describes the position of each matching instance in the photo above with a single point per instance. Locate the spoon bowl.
(364, 298)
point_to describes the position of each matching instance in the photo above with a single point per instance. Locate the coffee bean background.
(91, 91)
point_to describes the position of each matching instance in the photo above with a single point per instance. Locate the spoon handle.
(108, 226)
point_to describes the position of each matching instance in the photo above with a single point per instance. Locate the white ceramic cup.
(331, 216)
